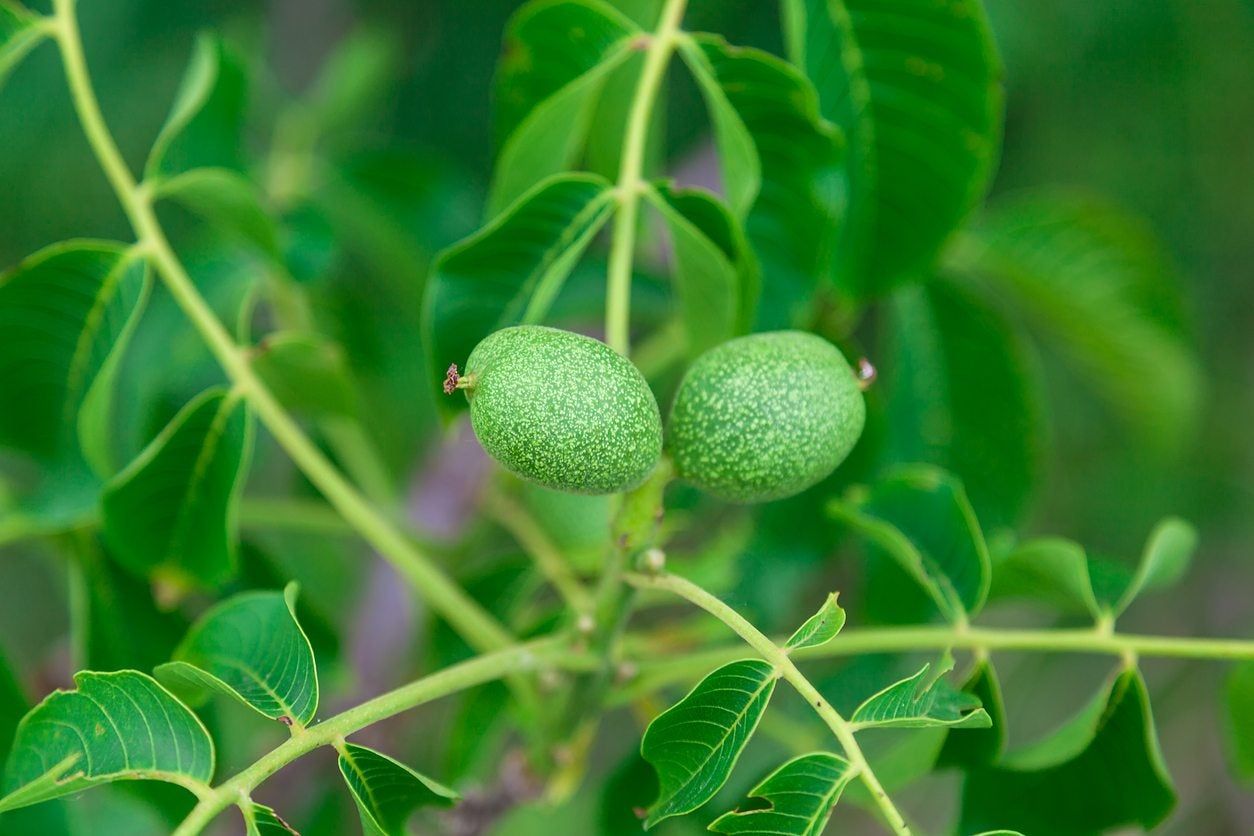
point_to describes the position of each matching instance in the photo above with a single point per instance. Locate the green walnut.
(561, 409)
(765, 416)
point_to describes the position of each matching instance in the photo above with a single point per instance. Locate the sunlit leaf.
(20, 32)
(510, 271)
(260, 820)
(66, 313)
(204, 127)
(172, 511)
(715, 275)
(919, 517)
(252, 648)
(973, 747)
(923, 700)
(228, 199)
(114, 727)
(917, 89)
(306, 372)
(1101, 771)
(695, 744)
(387, 791)
(1097, 289)
(819, 628)
(800, 797)
(1239, 698)
(558, 54)
(1049, 569)
(964, 397)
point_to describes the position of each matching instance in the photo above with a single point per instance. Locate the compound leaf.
(252, 648)
(916, 87)
(260, 820)
(1239, 697)
(715, 275)
(204, 127)
(113, 727)
(965, 397)
(819, 628)
(920, 517)
(387, 791)
(800, 795)
(922, 701)
(67, 314)
(1100, 771)
(558, 54)
(510, 271)
(20, 32)
(227, 199)
(172, 510)
(694, 745)
(307, 373)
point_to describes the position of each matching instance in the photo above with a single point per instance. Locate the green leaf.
(510, 271)
(67, 314)
(695, 744)
(1163, 562)
(204, 127)
(354, 81)
(965, 397)
(125, 626)
(715, 275)
(1101, 771)
(979, 747)
(252, 648)
(387, 791)
(20, 32)
(1048, 569)
(558, 54)
(13, 705)
(779, 160)
(114, 727)
(1096, 287)
(920, 517)
(172, 510)
(307, 373)
(260, 820)
(916, 87)
(922, 701)
(228, 199)
(1239, 696)
(800, 794)
(820, 628)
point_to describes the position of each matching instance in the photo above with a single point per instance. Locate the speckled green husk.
(765, 416)
(563, 410)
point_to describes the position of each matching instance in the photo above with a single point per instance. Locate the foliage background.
(1145, 101)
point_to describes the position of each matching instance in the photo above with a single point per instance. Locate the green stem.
(487, 668)
(661, 45)
(445, 597)
(771, 652)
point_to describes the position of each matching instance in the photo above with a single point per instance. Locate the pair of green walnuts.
(757, 418)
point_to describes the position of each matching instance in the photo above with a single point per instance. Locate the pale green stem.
(660, 47)
(516, 660)
(444, 596)
(784, 666)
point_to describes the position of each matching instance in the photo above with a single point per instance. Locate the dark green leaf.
(1051, 569)
(695, 744)
(919, 516)
(228, 199)
(172, 511)
(715, 275)
(66, 313)
(558, 54)
(204, 127)
(800, 795)
(979, 747)
(1101, 771)
(1240, 705)
(819, 628)
(20, 32)
(113, 727)
(1097, 289)
(510, 271)
(916, 88)
(13, 705)
(921, 701)
(964, 397)
(125, 626)
(260, 820)
(307, 373)
(252, 648)
(387, 791)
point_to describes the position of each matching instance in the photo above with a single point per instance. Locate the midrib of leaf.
(539, 286)
(212, 438)
(346, 752)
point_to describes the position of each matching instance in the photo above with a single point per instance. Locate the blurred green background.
(1147, 102)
